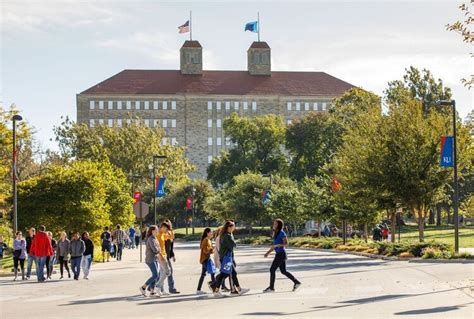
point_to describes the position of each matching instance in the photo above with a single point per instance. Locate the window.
(324, 106)
(137, 105)
(110, 105)
(209, 141)
(209, 106)
(218, 106)
(155, 105)
(174, 141)
(246, 106)
(91, 123)
(315, 106)
(119, 123)
(91, 105)
(192, 58)
(129, 121)
(164, 141)
(209, 159)
(165, 105)
(147, 105)
(219, 141)
(288, 122)
(129, 105)
(119, 105)
(101, 122)
(173, 123)
(254, 106)
(110, 123)
(219, 123)
(236, 106)
(227, 106)
(156, 123)
(209, 123)
(173, 105)
(147, 123)
(227, 141)
(165, 123)
(288, 106)
(306, 106)
(101, 105)
(298, 106)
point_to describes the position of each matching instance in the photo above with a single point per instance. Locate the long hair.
(279, 227)
(207, 230)
(227, 225)
(150, 230)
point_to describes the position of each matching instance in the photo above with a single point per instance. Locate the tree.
(464, 28)
(311, 142)
(257, 148)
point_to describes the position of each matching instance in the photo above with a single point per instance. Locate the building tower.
(191, 58)
(259, 59)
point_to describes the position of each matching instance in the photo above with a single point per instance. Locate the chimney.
(191, 57)
(259, 59)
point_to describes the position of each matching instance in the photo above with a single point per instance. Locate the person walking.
(205, 259)
(131, 236)
(41, 249)
(152, 257)
(280, 241)
(31, 258)
(217, 258)
(119, 236)
(137, 236)
(51, 260)
(19, 255)
(106, 244)
(170, 256)
(77, 248)
(162, 259)
(62, 253)
(87, 255)
(3, 247)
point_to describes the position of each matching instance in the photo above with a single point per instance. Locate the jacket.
(63, 247)
(89, 248)
(206, 250)
(152, 250)
(20, 245)
(77, 248)
(41, 245)
(227, 245)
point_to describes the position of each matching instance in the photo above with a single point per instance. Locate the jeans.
(280, 262)
(76, 266)
(86, 264)
(63, 263)
(30, 261)
(119, 251)
(203, 275)
(155, 269)
(164, 272)
(171, 287)
(50, 261)
(40, 263)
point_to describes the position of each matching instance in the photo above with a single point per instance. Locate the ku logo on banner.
(447, 159)
(160, 186)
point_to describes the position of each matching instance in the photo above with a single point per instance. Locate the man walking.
(31, 258)
(41, 248)
(106, 244)
(119, 237)
(131, 236)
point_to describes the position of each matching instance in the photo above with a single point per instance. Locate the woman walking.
(152, 255)
(19, 254)
(206, 258)
(77, 248)
(87, 255)
(63, 254)
(51, 260)
(280, 241)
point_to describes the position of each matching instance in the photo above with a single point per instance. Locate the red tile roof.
(260, 45)
(192, 44)
(220, 82)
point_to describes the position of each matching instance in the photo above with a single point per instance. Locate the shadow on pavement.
(430, 310)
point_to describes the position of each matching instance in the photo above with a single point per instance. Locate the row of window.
(129, 105)
(218, 141)
(210, 123)
(307, 106)
(169, 140)
(228, 105)
(164, 123)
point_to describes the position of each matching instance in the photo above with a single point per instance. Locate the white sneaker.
(164, 293)
(243, 291)
(218, 294)
(200, 292)
(143, 291)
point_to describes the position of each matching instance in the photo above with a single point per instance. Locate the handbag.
(227, 264)
(211, 266)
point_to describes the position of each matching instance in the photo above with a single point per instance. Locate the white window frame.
(129, 105)
(110, 105)
(236, 105)
(288, 106)
(101, 105)
(146, 105)
(91, 123)
(155, 105)
(218, 106)
(119, 105)
(173, 122)
(209, 123)
(110, 123)
(306, 106)
(137, 105)
(209, 141)
(324, 106)
(315, 106)
(91, 105)
(246, 106)
(254, 106)
(209, 159)
(298, 106)
(219, 141)
(174, 141)
(173, 105)
(288, 122)
(156, 123)
(227, 106)
(119, 123)
(209, 105)
(165, 105)
(147, 122)
(227, 141)
(101, 121)
(164, 141)
(164, 123)
(218, 123)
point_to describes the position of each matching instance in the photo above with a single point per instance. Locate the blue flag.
(160, 187)
(252, 26)
(447, 159)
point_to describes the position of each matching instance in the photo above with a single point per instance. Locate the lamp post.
(452, 103)
(192, 218)
(153, 168)
(15, 118)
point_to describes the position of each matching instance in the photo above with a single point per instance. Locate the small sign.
(447, 158)
(189, 203)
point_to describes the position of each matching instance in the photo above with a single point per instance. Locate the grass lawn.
(441, 233)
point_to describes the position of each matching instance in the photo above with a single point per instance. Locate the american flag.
(184, 28)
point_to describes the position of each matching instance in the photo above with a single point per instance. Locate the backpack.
(105, 238)
(227, 264)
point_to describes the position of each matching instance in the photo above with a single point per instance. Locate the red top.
(41, 245)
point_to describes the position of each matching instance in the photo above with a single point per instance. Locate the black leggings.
(18, 261)
(222, 276)
(203, 275)
(63, 263)
(280, 262)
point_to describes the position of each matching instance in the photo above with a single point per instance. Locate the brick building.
(190, 104)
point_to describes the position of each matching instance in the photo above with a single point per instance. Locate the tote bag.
(227, 264)
(211, 267)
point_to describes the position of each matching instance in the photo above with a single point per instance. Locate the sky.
(53, 50)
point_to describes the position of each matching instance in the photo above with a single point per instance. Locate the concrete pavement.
(334, 286)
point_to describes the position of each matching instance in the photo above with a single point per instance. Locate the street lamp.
(192, 220)
(153, 168)
(15, 118)
(452, 103)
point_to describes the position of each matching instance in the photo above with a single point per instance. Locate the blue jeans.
(31, 260)
(40, 263)
(155, 269)
(76, 266)
(171, 287)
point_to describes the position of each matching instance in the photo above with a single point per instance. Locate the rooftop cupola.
(259, 58)
(191, 57)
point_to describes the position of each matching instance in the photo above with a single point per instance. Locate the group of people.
(217, 258)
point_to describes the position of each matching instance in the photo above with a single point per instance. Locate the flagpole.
(190, 25)
(258, 25)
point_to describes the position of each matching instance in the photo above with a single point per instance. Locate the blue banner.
(160, 187)
(447, 159)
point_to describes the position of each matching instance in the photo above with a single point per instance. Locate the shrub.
(406, 254)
